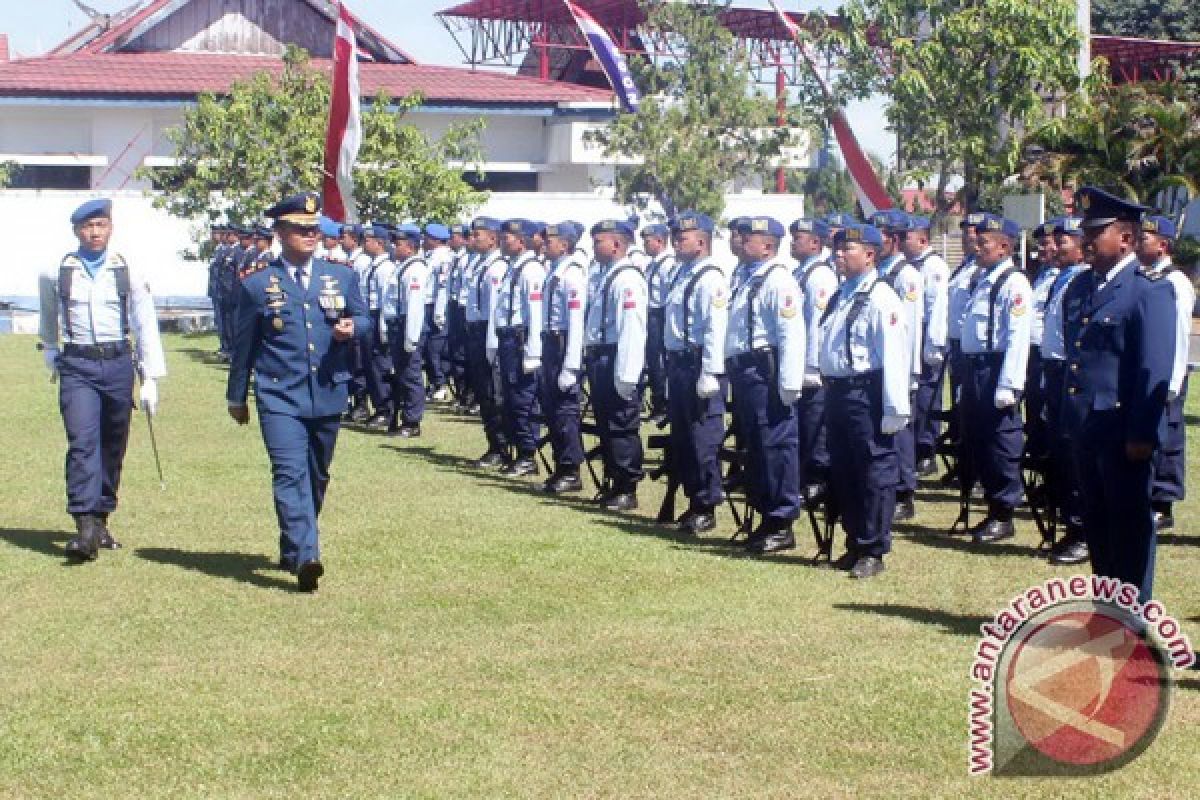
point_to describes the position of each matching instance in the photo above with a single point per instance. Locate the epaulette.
(1156, 274)
(71, 260)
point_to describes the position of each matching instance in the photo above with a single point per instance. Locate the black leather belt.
(558, 336)
(600, 349)
(96, 352)
(859, 381)
(684, 357)
(984, 358)
(749, 358)
(516, 331)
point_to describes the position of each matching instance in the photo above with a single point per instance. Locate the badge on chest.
(275, 301)
(330, 299)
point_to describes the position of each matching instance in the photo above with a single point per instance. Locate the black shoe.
(557, 484)
(926, 468)
(84, 545)
(491, 460)
(697, 522)
(409, 431)
(992, 530)
(521, 467)
(358, 415)
(845, 562)
(1163, 520)
(380, 421)
(622, 501)
(866, 567)
(307, 575)
(904, 511)
(105, 540)
(772, 542)
(286, 565)
(1069, 552)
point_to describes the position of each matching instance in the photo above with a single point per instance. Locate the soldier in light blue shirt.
(696, 314)
(927, 401)
(764, 358)
(515, 336)
(1037, 443)
(818, 281)
(659, 271)
(92, 306)
(564, 300)
(995, 345)
(615, 326)
(482, 282)
(440, 258)
(404, 315)
(456, 319)
(865, 368)
(372, 341)
(906, 282)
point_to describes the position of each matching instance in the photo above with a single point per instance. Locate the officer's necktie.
(302, 278)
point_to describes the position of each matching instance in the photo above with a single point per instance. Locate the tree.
(8, 170)
(1148, 19)
(237, 154)
(699, 124)
(964, 77)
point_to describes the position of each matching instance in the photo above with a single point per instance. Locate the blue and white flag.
(610, 58)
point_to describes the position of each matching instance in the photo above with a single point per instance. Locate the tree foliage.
(700, 124)
(963, 76)
(1148, 19)
(237, 154)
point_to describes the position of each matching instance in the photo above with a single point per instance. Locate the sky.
(34, 26)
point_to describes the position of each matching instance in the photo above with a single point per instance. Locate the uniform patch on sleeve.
(893, 320)
(789, 307)
(719, 300)
(822, 298)
(415, 285)
(1018, 306)
(628, 301)
(495, 281)
(910, 292)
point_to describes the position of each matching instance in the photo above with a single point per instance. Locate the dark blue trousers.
(484, 387)
(1170, 460)
(435, 344)
(1064, 469)
(926, 403)
(697, 429)
(228, 317)
(813, 466)
(1036, 433)
(408, 384)
(301, 451)
(96, 402)
(456, 348)
(994, 438)
(377, 366)
(1118, 522)
(770, 438)
(562, 409)
(618, 421)
(520, 392)
(656, 359)
(218, 322)
(906, 455)
(863, 468)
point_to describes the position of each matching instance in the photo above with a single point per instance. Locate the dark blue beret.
(1072, 226)
(485, 224)
(436, 230)
(816, 227)
(613, 226)
(866, 234)
(840, 219)
(301, 209)
(407, 231)
(998, 224)
(520, 227)
(377, 231)
(972, 220)
(890, 220)
(1047, 228)
(328, 227)
(768, 226)
(263, 232)
(460, 229)
(656, 229)
(100, 207)
(563, 230)
(917, 222)
(1163, 226)
(693, 221)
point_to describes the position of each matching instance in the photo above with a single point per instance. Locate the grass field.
(472, 639)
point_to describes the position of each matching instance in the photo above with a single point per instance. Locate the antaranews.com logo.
(1073, 677)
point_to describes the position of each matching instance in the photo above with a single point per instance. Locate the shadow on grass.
(955, 624)
(1188, 684)
(1179, 539)
(241, 567)
(204, 356)
(941, 539)
(47, 543)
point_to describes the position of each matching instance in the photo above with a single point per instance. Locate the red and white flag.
(609, 56)
(344, 135)
(867, 186)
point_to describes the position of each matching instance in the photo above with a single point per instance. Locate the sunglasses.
(305, 230)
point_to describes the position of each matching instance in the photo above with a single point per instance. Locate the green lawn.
(472, 639)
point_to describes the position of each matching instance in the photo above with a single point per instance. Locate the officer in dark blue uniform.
(1120, 337)
(227, 287)
(91, 307)
(695, 324)
(214, 281)
(295, 321)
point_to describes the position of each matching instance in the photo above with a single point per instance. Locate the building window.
(503, 181)
(41, 176)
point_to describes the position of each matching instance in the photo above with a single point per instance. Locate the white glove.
(913, 385)
(1171, 396)
(812, 379)
(707, 385)
(149, 396)
(893, 423)
(410, 347)
(491, 355)
(530, 365)
(1005, 398)
(567, 380)
(625, 390)
(50, 356)
(934, 357)
(439, 322)
(789, 396)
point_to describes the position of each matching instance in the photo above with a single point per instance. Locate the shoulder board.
(118, 260)
(1155, 275)
(71, 260)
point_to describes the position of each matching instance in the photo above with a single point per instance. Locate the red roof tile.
(180, 75)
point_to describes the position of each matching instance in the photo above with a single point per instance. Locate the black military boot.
(105, 539)
(84, 545)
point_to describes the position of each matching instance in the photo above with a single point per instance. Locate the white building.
(94, 109)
